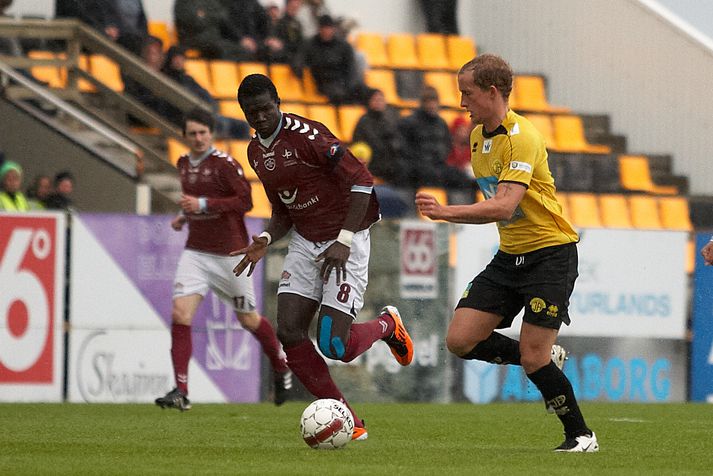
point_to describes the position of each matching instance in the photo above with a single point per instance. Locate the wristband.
(202, 204)
(345, 237)
(711, 238)
(267, 235)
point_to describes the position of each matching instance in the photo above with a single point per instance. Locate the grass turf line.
(413, 439)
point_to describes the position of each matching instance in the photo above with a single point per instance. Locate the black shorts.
(540, 281)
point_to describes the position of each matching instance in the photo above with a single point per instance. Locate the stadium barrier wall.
(628, 336)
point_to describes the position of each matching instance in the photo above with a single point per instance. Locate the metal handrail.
(86, 120)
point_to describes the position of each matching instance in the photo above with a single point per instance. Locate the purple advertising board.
(147, 250)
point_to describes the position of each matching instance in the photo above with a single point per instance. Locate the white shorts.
(300, 274)
(198, 272)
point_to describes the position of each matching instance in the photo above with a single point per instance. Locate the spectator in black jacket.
(207, 26)
(333, 65)
(124, 21)
(289, 31)
(378, 128)
(427, 140)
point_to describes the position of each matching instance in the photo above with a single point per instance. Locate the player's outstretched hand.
(254, 252)
(178, 222)
(428, 206)
(334, 257)
(707, 253)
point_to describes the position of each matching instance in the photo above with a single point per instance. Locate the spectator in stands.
(459, 156)
(427, 141)
(38, 191)
(9, 46)
(61, 198)
(206, 26)
(333, 65)
(153, 56)
(440, 16)
(289, 31)
(11, 197)
(251, 19)
(124, 21)
(378, 128)
(174, 68)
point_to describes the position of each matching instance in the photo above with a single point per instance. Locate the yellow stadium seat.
(401, 48)
(349, 115)
(439, 193)
(384, 80)
(528, 94)
(289, 86)
(569, 134)
(635, 175)
(563, 200)
(447, 86)
(162, 31)
(675, 213)
(262, 208)
(327, 115)
(224, 78)
(107, 72)
(295, 108)
(461, 49)
(176, 149)
(373, 47)
(52, 75)
(200, 70)
(615, 210)
(309, 88)
(231, 108)
(432, 51)
(543, 123)
(239, 151)
(645, 212)
(246, 68)
(584, 210)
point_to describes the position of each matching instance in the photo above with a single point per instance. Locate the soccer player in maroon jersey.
(317, 187)
(216, 196)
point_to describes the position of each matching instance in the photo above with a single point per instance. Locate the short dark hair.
(256, 84)
(63, 175)
(201, 116)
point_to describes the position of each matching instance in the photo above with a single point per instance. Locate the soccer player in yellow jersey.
(536, 264)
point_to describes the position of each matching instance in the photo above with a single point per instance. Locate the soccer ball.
(326, 424)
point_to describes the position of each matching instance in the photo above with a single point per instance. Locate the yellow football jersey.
(515, 152)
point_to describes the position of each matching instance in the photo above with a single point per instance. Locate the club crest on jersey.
(192, 178)
(288, 196)
(270, 163)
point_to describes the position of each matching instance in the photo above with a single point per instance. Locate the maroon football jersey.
(309, 173)
(220, 179)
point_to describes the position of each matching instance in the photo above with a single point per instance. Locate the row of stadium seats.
(607, 173)
(612, 210)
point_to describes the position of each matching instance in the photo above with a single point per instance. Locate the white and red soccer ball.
(327, 424)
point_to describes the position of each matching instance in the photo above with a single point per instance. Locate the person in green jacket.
(11, 197)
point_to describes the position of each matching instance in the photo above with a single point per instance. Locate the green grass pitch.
(404, 439)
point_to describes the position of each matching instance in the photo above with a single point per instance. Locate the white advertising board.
(632, 283)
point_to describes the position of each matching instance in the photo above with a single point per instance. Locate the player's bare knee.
(458, 345)
(533, 360)
(181, 316)
(249, 320)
